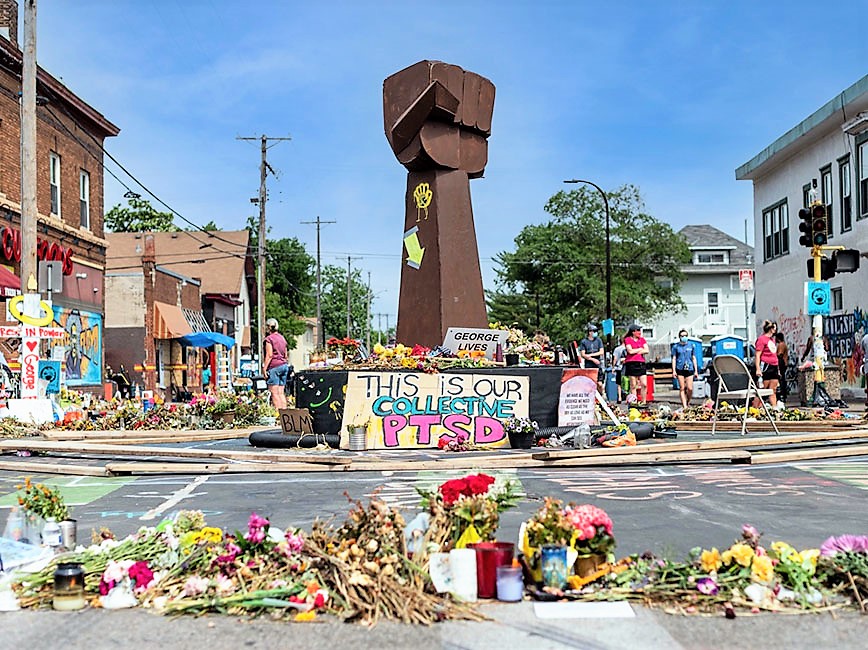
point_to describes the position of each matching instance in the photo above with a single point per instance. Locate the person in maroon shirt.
(274, 365)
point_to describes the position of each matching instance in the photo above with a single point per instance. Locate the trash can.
(611, 386)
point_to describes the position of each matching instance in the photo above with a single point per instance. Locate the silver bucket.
(358, 439)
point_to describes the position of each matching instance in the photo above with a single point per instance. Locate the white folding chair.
(737, 383)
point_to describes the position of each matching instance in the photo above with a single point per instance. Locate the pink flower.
(142, 575)
(707, 586)
(295, 541)
(224, 585)
(256, 521)
(195, 586)
(105, 586)
(255, 535)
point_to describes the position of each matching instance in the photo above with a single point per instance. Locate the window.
(845, 194)
(862, 164)
(54, 182)
(837, 299)
(734, 284)
(711, 258)
(776, 231)
(806, 195)
(826, 197)
(84, 198)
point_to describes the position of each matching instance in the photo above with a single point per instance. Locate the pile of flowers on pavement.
(373, 566)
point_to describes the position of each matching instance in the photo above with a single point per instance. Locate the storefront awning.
(10, 285)
(169, 322)
(207, 339)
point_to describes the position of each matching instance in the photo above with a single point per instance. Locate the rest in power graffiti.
(418, 409)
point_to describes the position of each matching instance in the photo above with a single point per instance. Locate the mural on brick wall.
(83, 343)
(843, 333)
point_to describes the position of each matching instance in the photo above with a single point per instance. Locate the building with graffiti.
(826, 153)
(69, 152)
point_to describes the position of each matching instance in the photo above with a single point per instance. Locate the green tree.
(334, 302)
(289, 280)
(138, 216)
(558, 268)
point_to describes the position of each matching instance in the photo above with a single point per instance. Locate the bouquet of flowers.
(467, 510)
(347, 346)
(42, 501)
(585, 528)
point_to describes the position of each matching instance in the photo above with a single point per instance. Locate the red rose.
(319, 601)
(453, 489)
(479, 483)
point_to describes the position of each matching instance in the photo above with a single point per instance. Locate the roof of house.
(705, 237)
(828, 116)
(216, 258)
(55, 90)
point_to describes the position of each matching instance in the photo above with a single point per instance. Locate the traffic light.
(827, 269)
(805, 227)
(819, 230)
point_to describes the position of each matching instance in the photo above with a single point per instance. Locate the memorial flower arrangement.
(42, 501)
(519, 426)
(584, 528)
(467, 510)
(347, 347)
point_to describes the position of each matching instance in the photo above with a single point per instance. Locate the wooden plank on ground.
(764, 425)
(808, 454)
(742, 442)
(38, 467)
(117, 468)
(732, 455)
(133, 437)
(102, 449)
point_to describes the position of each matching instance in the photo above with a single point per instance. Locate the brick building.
(177, 301)
(69, 138)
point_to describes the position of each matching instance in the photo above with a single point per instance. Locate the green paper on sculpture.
(469, 536)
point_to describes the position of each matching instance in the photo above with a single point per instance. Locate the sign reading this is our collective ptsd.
(413, 410)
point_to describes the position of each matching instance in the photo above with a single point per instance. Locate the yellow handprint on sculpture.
(422, 195)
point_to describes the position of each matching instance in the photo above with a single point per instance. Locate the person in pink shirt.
(766, 361)
(634, 361)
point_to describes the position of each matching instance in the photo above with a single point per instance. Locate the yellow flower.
(710, 560)
(379, 348)
(782, 549)
(305, 616)
(211, 534)
(811, 555)
(741, 553)
(762, 569)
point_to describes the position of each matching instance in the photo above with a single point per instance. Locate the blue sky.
(669, 96)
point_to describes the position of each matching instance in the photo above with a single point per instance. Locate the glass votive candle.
(69, 587)
(510, 584)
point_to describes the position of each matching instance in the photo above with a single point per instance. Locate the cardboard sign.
(576, 403)
(49, 371)
(296, 421)
(29, 368)
(472, 339)
(416, 410)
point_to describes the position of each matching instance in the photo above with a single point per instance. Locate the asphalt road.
(665, 509)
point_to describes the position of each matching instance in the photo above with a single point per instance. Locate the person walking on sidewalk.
(634, 363)
(684, 367)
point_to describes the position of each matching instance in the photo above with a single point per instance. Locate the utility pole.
(368, 319)
(260, 239)
(379, 328)
(320, 331)
(28, 149)
(349, 294)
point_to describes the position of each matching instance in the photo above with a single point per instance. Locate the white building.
(830, 147)
(714, 301)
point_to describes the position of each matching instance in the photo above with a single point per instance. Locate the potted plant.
(521, 432)
(40, 503)
(585, 530)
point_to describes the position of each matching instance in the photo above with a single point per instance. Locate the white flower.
(116, 571)
(196, 585)
(224, 585)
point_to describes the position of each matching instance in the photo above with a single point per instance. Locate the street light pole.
(608, 246)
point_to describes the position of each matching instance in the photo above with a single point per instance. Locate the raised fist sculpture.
(437, 120)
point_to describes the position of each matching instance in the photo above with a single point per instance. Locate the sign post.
(745, 282)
